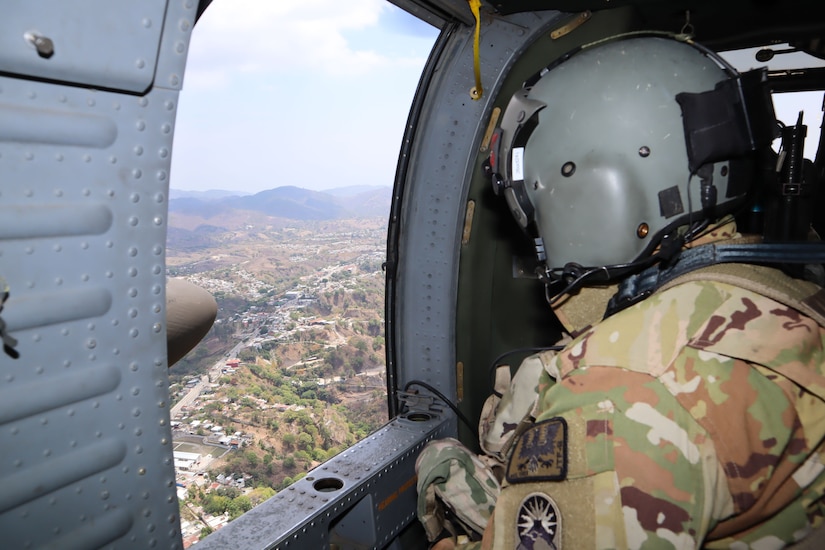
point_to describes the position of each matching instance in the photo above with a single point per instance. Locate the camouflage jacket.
(693, 418)
(456, 491)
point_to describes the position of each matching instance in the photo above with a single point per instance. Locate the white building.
(186, 461)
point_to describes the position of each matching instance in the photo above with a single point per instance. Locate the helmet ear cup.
(520, 206)
(507, 157)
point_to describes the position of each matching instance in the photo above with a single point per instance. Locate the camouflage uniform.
(693, 418)
(455, 476)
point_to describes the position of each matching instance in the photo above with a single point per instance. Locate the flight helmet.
(620, 148)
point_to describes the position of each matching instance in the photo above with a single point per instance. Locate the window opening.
(289, 126)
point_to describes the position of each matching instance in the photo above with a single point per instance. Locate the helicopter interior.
(84, 414)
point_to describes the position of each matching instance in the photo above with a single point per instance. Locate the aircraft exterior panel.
(116, 48)
(85, 441)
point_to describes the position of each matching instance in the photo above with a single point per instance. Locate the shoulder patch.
(539, 523)
(540, 454)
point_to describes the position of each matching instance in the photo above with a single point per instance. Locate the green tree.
(237, 506)
(230, 492)
(305, 441)
(215, 504)
(335, 358)
(374, 328)
(252, 458)
(360, 344)
(309, 395)
(247, 355)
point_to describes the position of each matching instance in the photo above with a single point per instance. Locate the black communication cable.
(449, 403)
(576, 275)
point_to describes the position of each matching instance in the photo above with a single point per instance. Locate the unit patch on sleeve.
(539, 524)
(540, 454)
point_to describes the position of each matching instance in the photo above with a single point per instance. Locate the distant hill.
(209, 195)
(183, 239)
(204, 208)
(353, 190)
(288, 202)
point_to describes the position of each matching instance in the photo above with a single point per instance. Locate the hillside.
(288, 202)
(293, 370)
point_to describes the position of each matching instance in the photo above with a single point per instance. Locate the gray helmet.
(616, 146)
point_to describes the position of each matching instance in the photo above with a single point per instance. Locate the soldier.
(690, 414)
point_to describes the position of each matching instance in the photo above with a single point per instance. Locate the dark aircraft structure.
(88, 98)
(190, 313)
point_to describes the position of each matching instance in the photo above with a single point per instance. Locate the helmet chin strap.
(575, 276)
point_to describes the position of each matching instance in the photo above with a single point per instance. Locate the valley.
(292, 371)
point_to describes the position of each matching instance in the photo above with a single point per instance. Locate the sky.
(312, 93)
(316, 93)
(788, 105)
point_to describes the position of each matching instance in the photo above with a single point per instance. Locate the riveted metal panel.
(115, 48)
(85, 441)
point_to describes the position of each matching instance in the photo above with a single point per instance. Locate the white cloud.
(312, 93)
(276, 36)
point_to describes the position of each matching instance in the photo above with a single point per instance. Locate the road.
(190, 397)
(214, 372)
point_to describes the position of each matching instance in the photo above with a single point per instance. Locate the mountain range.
(288, 202)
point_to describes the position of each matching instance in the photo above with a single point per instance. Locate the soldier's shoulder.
(688, 314)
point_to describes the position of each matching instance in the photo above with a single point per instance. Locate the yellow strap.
(477, 90)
